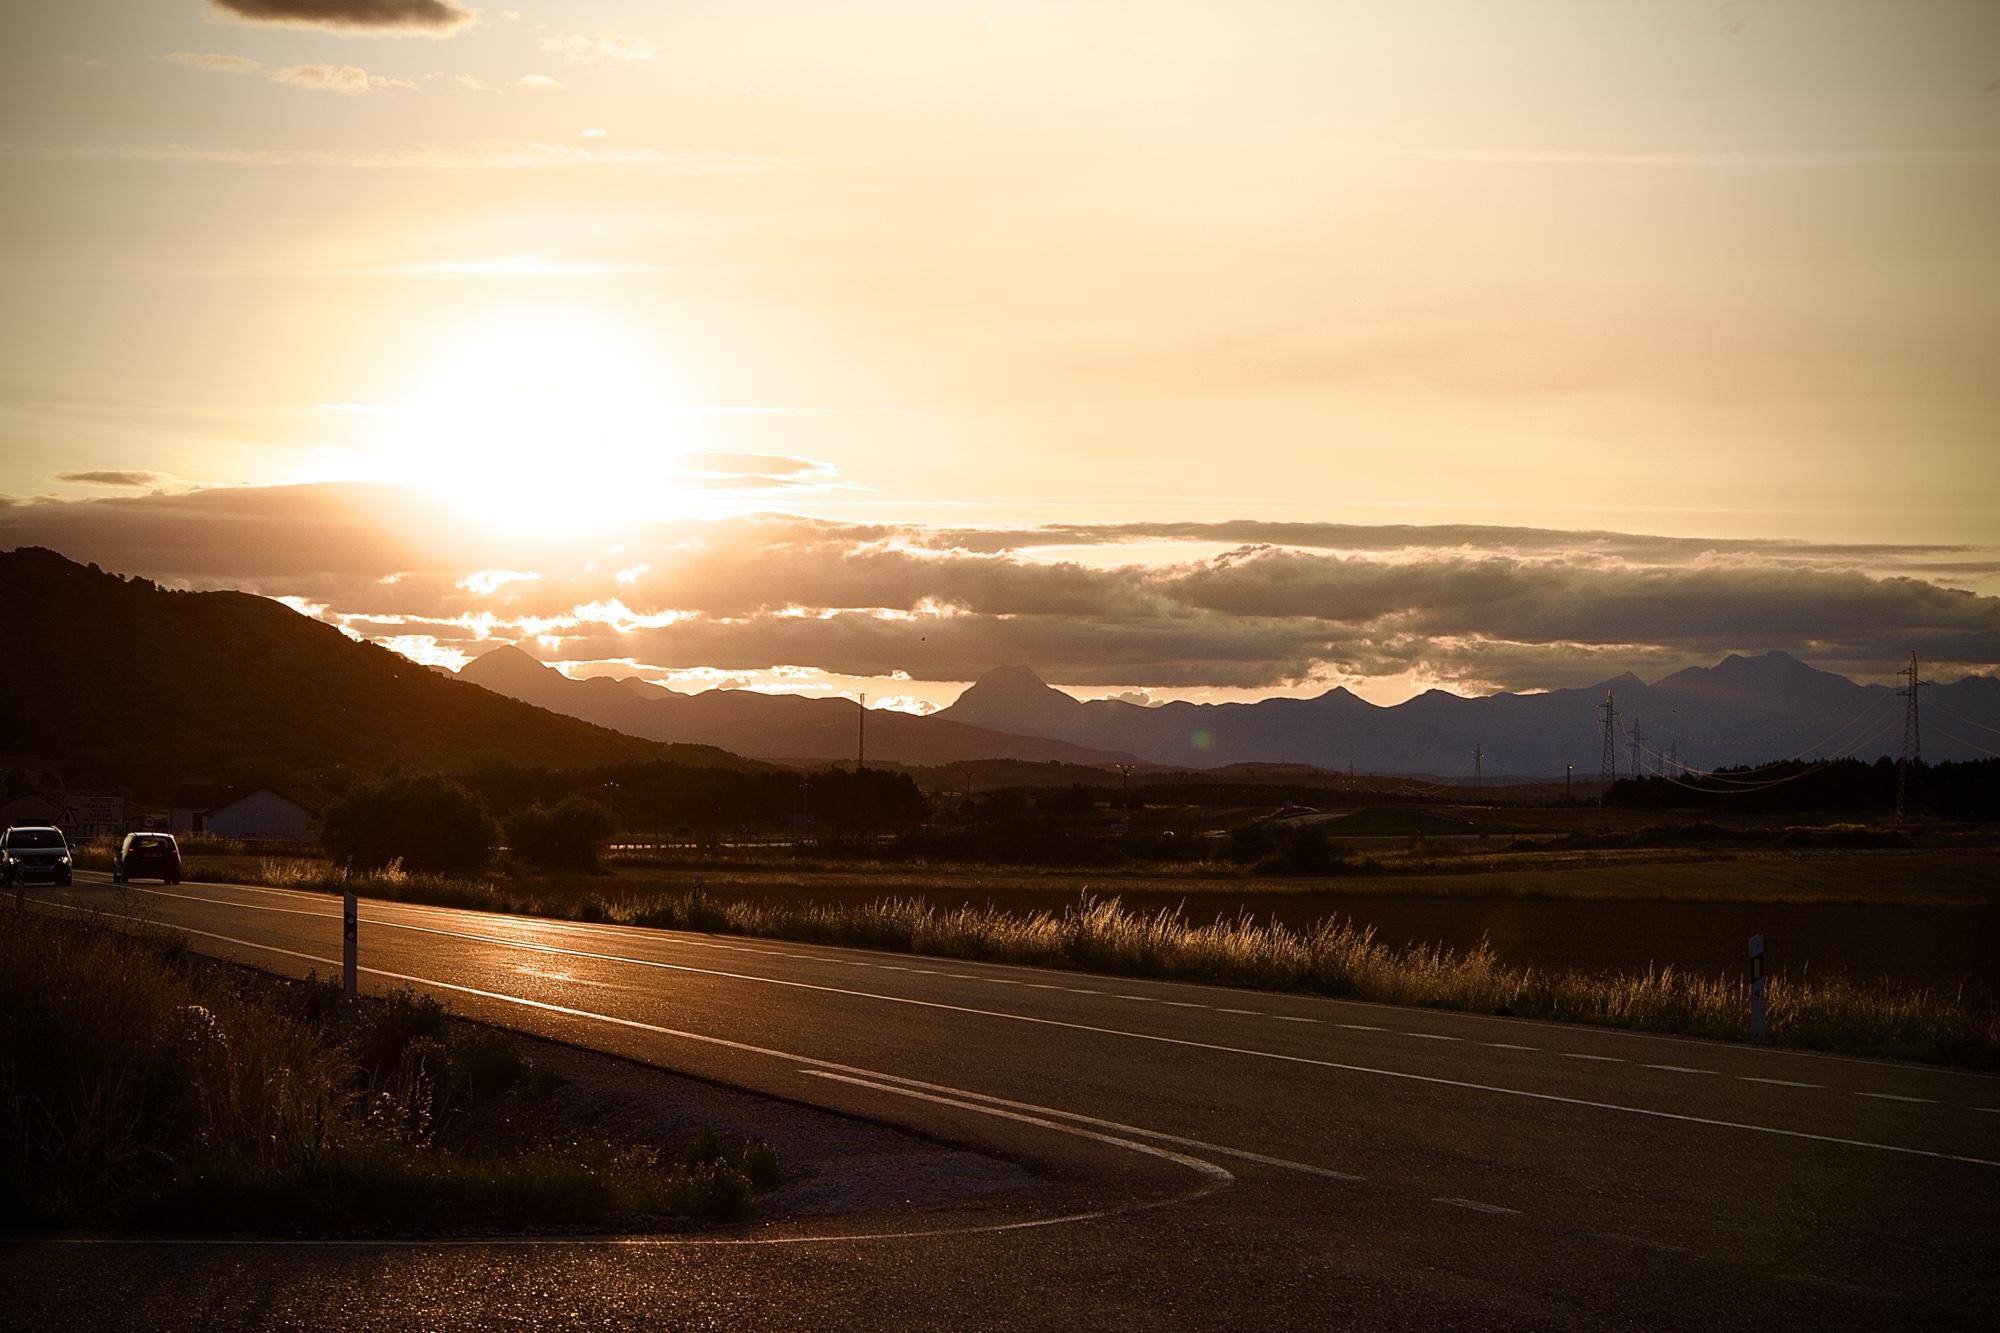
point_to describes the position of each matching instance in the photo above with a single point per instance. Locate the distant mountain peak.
(1011, 678)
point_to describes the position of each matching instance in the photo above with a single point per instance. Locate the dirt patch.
(833, 1163)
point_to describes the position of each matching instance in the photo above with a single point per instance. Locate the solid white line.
(1478, 1207)
(1430, 1079)
(1209, 1169)
(1204, 1146)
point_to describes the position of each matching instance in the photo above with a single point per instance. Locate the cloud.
(540, 82)
(394, 18)
(324, 78)
(132, 478)
(224, 64)
(1475, 607)
(577, 49)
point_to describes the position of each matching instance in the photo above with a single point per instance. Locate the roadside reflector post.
(1757, 988)
(349, 920)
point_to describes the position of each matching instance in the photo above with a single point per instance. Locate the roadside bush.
(569, 835)
(428, 823)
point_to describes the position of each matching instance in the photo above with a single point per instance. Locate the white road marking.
(1209, 1169)
(1294, 1018)
(1359, 1027)
(1681, 1069)
(1184, 1004)
(1252, 1012)
(1608, 1059)
(1478, 1207)
(1432, 1036)
(1508, 1046)
(1892, 1097)
(1779, 1082)
(1848, 1287)
(1310, 1061)
(1624, 1239)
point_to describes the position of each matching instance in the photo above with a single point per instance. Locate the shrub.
(427, 823)
(571, 834)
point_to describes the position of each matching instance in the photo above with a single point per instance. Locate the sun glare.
(546, 430)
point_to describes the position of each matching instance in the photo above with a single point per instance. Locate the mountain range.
(775, 726)
(1743, 710)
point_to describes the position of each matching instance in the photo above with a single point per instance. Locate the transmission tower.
(1913, 738)
(1607, 721)
(861, 736)
(1477, 755)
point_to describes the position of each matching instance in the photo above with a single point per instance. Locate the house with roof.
(275, 813)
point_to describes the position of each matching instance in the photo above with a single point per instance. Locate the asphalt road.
(1211, 1158)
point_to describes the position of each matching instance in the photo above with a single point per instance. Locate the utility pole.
(1478, 755)
(1913, 739)
(861, 736)
(1607, 769)
(1568, 769)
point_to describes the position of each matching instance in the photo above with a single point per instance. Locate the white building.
(258, 814)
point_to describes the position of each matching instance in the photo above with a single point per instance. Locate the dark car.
(151, 855)
(28, 853)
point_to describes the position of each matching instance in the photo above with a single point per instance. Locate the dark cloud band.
(433, 17)
(1508, 607)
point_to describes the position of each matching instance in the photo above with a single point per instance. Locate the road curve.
(1214, 1158)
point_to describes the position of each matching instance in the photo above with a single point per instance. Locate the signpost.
(1757, 988)
(349, 919)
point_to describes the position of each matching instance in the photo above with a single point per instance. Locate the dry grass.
(141, 1086)
(1334, 958)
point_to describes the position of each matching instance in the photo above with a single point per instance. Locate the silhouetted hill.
(1742, 710)
(124, 684)
(764, 725)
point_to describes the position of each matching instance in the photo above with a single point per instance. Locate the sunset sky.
(1211, 350)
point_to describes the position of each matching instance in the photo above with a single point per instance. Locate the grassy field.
(1331, 957)
(143, 1087)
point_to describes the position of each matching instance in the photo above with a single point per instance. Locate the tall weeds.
(141, 1086)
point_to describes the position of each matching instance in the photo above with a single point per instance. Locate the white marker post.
(349, 921)
(1757, 988)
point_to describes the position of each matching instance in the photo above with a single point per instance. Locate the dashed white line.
(1252, 1012)
(1293, 1018)
(1432, 1036)
(1624, 1239)
(1184, 1004)
(1479, 1207)
(1607, 1059)
(1359, 1027)
(1892, 1097)
(1508, 1046)
(1779, 1082)
(1681, 1069)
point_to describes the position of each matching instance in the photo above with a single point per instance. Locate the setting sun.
(553, 430)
